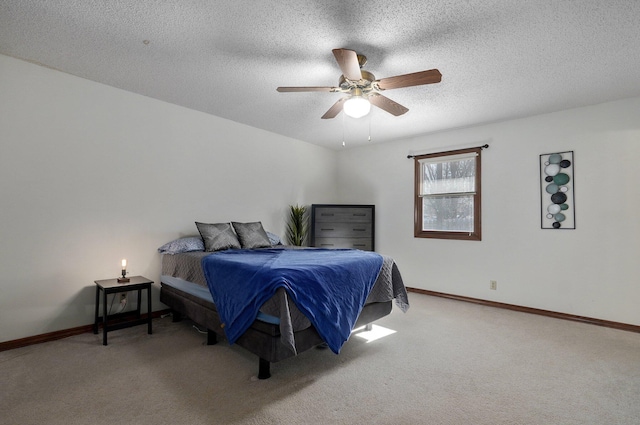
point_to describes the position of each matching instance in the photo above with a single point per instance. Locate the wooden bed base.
(262, 339)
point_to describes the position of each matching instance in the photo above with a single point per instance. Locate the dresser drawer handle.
(359, 214)
(324, 230)
(326, 215)
(326, 244)
(359, 244)
(359, 230)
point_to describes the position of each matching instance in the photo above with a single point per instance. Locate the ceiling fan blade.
(334, 110)
(387, 104)
(303, 89)
(408, 80)
(348, 62)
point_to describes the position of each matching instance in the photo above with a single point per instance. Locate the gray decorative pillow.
(251, 235)
(218, 236)
(185, 244)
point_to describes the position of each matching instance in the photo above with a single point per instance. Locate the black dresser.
(343, 226)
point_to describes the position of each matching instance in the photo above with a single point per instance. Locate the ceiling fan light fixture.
(356, 106)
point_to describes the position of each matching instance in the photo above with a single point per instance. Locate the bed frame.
(262, 339)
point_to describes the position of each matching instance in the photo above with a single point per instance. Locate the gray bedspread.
(388, 286)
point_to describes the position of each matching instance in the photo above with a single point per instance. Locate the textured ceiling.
(500, 59)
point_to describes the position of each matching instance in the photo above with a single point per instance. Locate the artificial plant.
(297, 226)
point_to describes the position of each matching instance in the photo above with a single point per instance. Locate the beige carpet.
(448, 362)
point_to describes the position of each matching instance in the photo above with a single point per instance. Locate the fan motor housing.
(364, 83)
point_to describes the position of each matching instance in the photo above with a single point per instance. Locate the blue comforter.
(329, 286)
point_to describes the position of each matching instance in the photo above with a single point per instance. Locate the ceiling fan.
(364, 89)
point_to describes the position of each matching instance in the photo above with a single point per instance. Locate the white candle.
(124, 264)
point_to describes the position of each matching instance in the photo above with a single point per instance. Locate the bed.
(279, 329)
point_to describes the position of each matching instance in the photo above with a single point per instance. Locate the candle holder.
(124, 277)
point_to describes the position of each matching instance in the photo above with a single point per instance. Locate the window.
(447, 195)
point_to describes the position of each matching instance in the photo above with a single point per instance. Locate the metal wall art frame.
(557, 201)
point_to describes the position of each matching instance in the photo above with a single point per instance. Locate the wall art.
(557, 201)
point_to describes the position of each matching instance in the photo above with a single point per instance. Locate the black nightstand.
(112, 286)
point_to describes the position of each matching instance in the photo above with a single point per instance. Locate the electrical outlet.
(493, 284)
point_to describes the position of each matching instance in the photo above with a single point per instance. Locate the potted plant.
(297, 226)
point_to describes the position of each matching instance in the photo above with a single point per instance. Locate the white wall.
(90, 174)
(590, 271)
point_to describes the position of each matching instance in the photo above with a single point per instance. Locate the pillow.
(218, 236)
(251, 235)
(274, 239)
(185, 244)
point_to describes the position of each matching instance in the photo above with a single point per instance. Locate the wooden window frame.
(476, 235)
